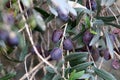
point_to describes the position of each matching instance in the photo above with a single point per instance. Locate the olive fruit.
(12, 40)
(115, 64)
(93, 4)
(67, 44)
(57, 34)
(95, 54)
(56, 54)
(62, 15)
(87, 37)
(3, 34)
(106, 54)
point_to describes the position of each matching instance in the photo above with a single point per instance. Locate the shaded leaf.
(112, 24)
(48, 76)
(49, 69)
(76, 55)
(80, 67)
(104, 74)
(49, 18)
(8, 76)
(57, 77)
(108, 18)
(43, 12)
(23, 53)
(77, 61)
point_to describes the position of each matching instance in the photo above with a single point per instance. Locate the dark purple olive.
(62, 16)
(106, 54)
(95, 54)
(93, 4)
(7, 4)
(56, 54)
(115, 64)
(87, 37)
(12, 39)
(57, 34)
(67, 44)
(3, 34)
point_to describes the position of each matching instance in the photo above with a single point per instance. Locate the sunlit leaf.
(39, 20)
(8, 76)
(109, 44)
(95, 38)
(75, 75)
(26, 3)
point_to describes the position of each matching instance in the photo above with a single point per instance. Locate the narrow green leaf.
(98, 6)
(95, 38)
(80, 67)
(23, 53)
(77, 61)
(11, 58)
(8, 76)
(109, 3)
(76, 55)
(57, 77)
(98, 23)
(75, 75)
(108, 18)
(112, 24)
(109, 44)
(49, 18)
(48, 76)
(43, 12)
(49, 69)
(87, 21)
(104, 74)
(39, 20)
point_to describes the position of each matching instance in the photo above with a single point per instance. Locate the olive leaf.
(104, 74)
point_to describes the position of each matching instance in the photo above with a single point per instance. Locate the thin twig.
(31, 39)
(26, 66)
(61, 46)
(114, 15)
(34, 69)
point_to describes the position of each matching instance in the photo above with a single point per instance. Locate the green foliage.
(34, 22)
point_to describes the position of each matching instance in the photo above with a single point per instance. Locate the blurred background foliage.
(59, 39)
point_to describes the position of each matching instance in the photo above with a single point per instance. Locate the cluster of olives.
(10, 38)
(56, 53)
(95, 52)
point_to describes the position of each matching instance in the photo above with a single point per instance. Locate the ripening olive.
(57, 34)
(106, 54)
(12, 39)
(87, 37)
(93, 4)
(67, 44)
(56, 54)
